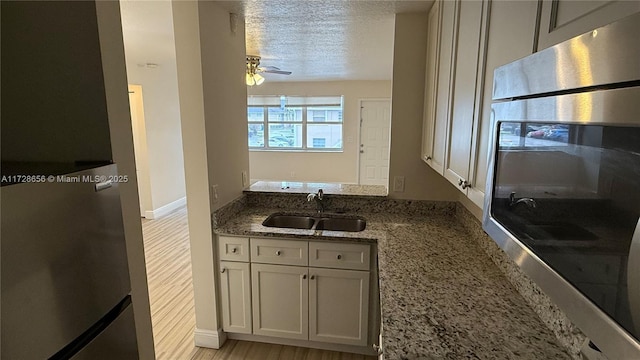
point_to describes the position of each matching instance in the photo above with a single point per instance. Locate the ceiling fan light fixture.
(250, 80)
(258, 79)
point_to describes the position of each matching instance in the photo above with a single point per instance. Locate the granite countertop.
(441, 295)
(290, 187)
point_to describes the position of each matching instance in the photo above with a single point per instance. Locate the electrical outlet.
(245, 179)
(214, 193)
(398, 183)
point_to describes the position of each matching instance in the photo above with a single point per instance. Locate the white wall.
(210, 63)
(161, 106)
(225, 100)
(409, 58)
(339, 167)
(188, 59)
(115, 81)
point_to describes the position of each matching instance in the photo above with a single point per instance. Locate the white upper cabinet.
(563, 19)
(468, 58)
(431, 82)
(471, 39)
(442, 23)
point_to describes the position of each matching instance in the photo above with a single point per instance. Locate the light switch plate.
(398, 183)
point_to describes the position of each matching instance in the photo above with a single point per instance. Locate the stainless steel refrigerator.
(65, 280)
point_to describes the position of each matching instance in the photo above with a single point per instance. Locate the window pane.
(285, 135)
(286, 114)
(255, 113)
(324, 113)
(256, 135)
(324, 136)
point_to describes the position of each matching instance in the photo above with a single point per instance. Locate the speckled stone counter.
(441, 295)
(312, 187)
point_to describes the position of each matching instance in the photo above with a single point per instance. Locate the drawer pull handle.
(313, 277)
(339, 257)
(234, 250)
(223, 270)
(278, 253)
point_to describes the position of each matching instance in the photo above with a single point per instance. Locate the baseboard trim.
(164, 210)
(353, 349)
(209, 338)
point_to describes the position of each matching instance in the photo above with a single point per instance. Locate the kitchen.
(235, 161)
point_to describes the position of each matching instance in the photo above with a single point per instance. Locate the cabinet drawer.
(284, 252)
(339, 255)
(233, 248)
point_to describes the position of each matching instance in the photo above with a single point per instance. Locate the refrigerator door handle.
(104, 185)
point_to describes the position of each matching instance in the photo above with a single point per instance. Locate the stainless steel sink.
(341, 224)
(332, 222)
(289, 221)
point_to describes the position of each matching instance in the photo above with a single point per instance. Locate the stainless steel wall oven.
(563, 194)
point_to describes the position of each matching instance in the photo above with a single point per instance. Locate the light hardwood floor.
(166, 243)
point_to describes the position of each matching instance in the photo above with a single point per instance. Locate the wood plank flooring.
(166, 243)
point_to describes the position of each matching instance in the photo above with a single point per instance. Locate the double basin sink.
(332, 222)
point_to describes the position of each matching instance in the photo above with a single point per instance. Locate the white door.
(140, 148)
(235, 289)
(280, 295)
(338, 306)
(375, 129)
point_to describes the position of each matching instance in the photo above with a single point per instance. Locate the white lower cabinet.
(280, 296)
(328, 302)
(235, 289)
(338, 306)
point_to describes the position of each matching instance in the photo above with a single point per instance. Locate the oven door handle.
(633, 278)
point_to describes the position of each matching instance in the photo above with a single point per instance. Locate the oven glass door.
(571, 194)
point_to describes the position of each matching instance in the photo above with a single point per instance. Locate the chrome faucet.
(530, 202)
(318, 197)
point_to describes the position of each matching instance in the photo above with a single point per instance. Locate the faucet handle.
(311, 197)
(320, 193)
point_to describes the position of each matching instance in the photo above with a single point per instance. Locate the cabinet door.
(280, 304)
(431, 80)
(563, 19)
(338, 306)
(448, 16)
(235, 288)
(469, 47)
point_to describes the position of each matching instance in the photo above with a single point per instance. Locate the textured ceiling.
(315, 39)
(323, 40)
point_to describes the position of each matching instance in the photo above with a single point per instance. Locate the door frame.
(360, 101)
(140, 149)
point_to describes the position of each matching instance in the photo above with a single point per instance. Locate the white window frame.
(304, 123)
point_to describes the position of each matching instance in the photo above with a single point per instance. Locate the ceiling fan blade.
(281, 72)
(264, 68)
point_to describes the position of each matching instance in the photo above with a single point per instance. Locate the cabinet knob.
(339, 256)
(465, 184)
(313, 277)
(460, 182)
(234, 250)
(278, 253)
(223, 270)
(428, 157)
(377, 348)
(304, 276)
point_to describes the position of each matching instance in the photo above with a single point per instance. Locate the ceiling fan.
(253, 69)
